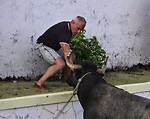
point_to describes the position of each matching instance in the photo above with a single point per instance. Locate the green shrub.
(85, 49)
(88, 49)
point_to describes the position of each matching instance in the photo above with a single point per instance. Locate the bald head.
(80, 19)
(77, 24)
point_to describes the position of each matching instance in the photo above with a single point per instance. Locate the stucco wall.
(121, 26)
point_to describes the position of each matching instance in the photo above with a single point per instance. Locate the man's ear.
(72, 22)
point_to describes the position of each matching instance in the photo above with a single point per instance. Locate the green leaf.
(88, 49)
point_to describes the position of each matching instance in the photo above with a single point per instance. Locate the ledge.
(36, 100)
(60, 97)
(136, 88)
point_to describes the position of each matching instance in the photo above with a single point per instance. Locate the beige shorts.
(48, 53)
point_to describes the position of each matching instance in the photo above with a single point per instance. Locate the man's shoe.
(39, 87)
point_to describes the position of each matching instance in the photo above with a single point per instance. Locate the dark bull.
(101, 100)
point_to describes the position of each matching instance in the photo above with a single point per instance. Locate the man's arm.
(66, 48)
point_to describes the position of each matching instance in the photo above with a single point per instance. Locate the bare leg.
(58, 65)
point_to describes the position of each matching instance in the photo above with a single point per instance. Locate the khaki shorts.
(48, 53)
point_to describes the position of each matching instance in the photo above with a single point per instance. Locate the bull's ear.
(88, 65)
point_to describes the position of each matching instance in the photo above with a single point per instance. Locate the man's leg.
(57, 66)
(52, 57)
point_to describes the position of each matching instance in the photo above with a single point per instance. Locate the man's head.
(77, 25)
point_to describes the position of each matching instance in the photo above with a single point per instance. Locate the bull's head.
(70, 76)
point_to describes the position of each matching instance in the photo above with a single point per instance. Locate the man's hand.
(66, 49)
(69, 53)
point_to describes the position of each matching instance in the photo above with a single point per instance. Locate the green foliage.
(88, 49)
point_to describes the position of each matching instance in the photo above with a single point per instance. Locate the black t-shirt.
(60, 32)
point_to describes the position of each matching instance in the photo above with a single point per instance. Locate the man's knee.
(60, 62)
(62, 65)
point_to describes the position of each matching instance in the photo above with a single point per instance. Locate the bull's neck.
(79, 81)
(85, 87)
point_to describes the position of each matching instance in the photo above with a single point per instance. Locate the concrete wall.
(121, 26)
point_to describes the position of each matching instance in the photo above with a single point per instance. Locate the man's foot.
(39, 87)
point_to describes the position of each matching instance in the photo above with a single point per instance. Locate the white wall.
(121, 26)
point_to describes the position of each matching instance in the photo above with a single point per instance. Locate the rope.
(79, 81)
(57, 116)
(74, 93)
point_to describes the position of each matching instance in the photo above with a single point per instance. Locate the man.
(53, 46)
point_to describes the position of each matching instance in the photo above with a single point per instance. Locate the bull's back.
(108, 102)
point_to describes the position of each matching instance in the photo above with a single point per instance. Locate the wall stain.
(138, 32)
(105, 20)
(32, 43)
(57, 3)
(12, 52)
(73, 1)
(99, 22)
(130, 49)
(14, 37)
(32, 39)
(124, 19)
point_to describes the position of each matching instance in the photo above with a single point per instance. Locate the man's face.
(77, 27)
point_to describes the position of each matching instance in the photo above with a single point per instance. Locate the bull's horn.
(103, 69)
(71, 65)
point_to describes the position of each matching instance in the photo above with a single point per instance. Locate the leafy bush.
(88, 49)
(85, 49)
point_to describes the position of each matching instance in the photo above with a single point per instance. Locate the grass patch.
(25, 88)
(9, 89)
(127, 77)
